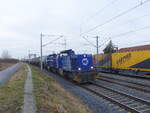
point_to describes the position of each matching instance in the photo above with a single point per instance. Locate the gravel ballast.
(95, 103)
(132, 92)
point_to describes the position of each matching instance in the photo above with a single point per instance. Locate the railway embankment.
(51, 93)
(95, 103)
(51, 97)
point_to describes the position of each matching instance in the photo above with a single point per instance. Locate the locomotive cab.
(78, 67)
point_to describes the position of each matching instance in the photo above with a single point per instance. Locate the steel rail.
(135, 98)
(114, 94)
(133, 82)
(111, 100)
(126, 85)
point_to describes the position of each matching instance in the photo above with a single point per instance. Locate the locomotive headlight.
(79, 69)
(92, 67)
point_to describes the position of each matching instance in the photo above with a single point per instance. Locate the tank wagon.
(133, 61)
(35, 61)
(76, 67)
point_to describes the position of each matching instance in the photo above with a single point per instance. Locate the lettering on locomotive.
(124, 59)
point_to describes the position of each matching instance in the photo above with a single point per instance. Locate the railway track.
(127, 102)
(130, 79)
(133, 85)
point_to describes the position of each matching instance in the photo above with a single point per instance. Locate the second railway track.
(127, 102)
(133, 85)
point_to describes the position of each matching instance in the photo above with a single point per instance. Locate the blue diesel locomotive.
(76, 67)
(50, 62)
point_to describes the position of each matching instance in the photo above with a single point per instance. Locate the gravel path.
(6, 74)
(29, 102)
(96, 104)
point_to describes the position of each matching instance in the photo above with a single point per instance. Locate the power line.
(100, 10)
(145, 15)
(115, 17)
(115, 36)
(88, 41)
(132, 31)
(134, 19)
(136, 42)
(104, 43)
(51, 42)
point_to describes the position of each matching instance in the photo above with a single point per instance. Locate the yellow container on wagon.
(134, 60)
(129, 62)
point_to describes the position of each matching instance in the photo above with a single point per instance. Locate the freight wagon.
(130, 61)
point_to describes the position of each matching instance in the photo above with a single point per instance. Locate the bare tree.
(110, 48)
(5, 54)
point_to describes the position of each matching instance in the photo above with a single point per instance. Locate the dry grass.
(53, 98)
(5, 65)
(12, 93)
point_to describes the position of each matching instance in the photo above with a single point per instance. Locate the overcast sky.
(22, 21)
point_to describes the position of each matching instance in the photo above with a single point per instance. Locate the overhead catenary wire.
(88, 41)
(51, 41)
(119, 35)
(140, 17)
(131, 31)
(104, 43)
(134, 19)
(136, 42)
(117, 16)
(125, 33)
(100, 10)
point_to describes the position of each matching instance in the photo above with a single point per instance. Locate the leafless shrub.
(6, 54)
